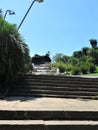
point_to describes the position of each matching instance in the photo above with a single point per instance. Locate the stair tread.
(20, 122)
(48, 122)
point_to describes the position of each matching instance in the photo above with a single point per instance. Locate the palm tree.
(11, 53)
(93, 43)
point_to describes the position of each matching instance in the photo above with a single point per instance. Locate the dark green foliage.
(38, 59)
(73, 60)
(93, 43)
(81, 62)
(77, 54)
(84, 69)
(94, 55)
(60, 58)
(75, 70)
(68, 67)
(11, 56)
(12, 53)
(61, 66)
(85, 50)
(92, 68)
(26, 59)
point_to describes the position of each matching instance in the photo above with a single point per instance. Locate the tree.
(93, 43)
(11, 53)
(60, 58)
(27, 59)
(73, 60)
(85, 50)
(94, 55)
(77, 54)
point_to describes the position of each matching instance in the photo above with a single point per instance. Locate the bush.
(84, 69)
(97, 69)
(75, 70)
(92, 68)
(60, 65)
(68, 67)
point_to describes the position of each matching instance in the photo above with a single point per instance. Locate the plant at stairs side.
(11, 53)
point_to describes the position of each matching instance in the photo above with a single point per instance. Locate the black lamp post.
(28, 12)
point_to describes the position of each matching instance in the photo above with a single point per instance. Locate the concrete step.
(52, 95)
(53, 85)
(42, 68)
(21, 125)
(55, 88)
(43, 65)
(52, 92)
(42, 72)
(56, 83)
(48, 125)
(55, 78)
(59, 82)
(60, 77)
(48, 115)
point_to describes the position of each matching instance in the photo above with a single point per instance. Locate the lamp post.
(11, 12)
(28, 12)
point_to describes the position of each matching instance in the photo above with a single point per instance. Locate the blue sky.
(58, 26)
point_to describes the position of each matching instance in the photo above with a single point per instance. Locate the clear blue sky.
(58, 26)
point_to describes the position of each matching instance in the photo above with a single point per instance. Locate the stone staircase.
(51, 119)
(56, 86)
(48, 120)
(42, 69)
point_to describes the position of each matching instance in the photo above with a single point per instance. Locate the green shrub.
(60, 65)
(97, 69)
(84, 69)
(92, 68)
(75, 70)
(68, 67)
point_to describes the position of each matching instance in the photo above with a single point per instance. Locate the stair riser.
(49, 127)
(48, 115)
(78, 93)
(52, 96)
(28, 88)
(53, 80)
(60, 84)
(54, 77)
(22, 127)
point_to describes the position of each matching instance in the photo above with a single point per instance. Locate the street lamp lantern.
(10, 12)
(39, 1)
(28, 12)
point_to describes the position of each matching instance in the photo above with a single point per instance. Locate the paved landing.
(31, 103)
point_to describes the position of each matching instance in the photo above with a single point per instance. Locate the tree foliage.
(81, 62)
(60, 58)
(93, 43)
(12, 52)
